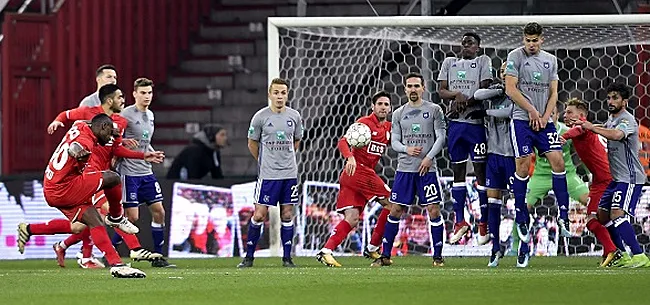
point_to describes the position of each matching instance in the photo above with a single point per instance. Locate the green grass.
(412, 280)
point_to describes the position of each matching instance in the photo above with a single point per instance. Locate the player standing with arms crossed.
(622, 194)
(591, 151)
(531, 83)
(418, 135)
(360, 184)
(500, 160)
(273, 139)
(139, 183)
(459, 79)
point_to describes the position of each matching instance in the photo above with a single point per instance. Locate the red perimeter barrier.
(49, 62)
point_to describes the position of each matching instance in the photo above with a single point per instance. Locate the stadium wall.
(48, 62)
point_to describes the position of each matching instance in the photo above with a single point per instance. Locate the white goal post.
(333, 64)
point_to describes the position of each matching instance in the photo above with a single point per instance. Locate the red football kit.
(66, 185)
(364, 185)
(591, 151)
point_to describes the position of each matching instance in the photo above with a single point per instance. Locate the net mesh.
(334, 70)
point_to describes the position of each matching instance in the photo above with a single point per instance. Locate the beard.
(413, 97)
(614, 109)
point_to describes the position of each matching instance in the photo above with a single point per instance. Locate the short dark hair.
(578, 103)
(414, 74)
(621, 88)
(475, 36)
(533, 28)
(101, 69)
(380, 94)
(142, 82)
(107, 91)
(100, 119)
(278, 81)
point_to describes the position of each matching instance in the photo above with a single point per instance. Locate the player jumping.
(359, 183)
(622, 194)
(418, 135)
(273, 139)
(459, 79)
(531, 82)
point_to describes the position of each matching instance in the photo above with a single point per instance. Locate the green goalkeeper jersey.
(542, 167)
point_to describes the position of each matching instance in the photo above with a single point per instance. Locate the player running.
(418, 136)
(68, 185)
(531, 82)
(500, 160)
(139, 183)
(591, 151)
(273, 139)
(624, 192)
(459, 79)
(359, 183)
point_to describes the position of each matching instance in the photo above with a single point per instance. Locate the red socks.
(339, 234)
(378, 233)
(602, 235)
(54, 226)
(114, 197)
(130, 240)
(103, 243)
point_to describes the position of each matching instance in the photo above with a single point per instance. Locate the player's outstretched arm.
(66, 117)
(552, 101)
(254, 148)
(123, 152)
(612, 134)
(500, 113)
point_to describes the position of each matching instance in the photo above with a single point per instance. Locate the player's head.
(470, 43)
(278, 93)
(102, 127)
(110, 95)
(575, 110)
(143, 91)
(533, 37)
(618, 95)
(502, 70)
(414, 86)
(381, 104)
(105, 74)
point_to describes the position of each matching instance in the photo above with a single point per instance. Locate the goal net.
(334, 64)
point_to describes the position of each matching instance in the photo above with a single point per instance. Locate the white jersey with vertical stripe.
(140, 127)
(276, 134)
(416, 126)
(623, 155)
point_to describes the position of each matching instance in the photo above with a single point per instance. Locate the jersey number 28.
(60, 156)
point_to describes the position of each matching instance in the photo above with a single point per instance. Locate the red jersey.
(102, 155)
(379, 140)
(591, 151)
(62, 167)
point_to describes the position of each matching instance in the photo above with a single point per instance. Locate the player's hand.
(413, 151)
(53, 126)
(562, 140)
(476, 114)
(425, 165)
(130, 143)
(154, 156)
(584, 124)
(534, 120)
(350, 166)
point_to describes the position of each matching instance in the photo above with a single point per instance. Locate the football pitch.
(412, 280)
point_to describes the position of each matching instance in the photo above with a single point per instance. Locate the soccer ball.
(358, 135)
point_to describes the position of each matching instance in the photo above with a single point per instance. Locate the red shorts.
(596, 190)
(75, 196)
(357, 190)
